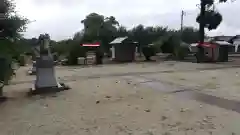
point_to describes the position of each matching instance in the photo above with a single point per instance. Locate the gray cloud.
(61, 18)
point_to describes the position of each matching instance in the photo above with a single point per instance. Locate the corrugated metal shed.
(118, 40)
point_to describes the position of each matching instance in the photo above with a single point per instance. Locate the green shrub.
(148, 51)
(169, 44)
(175, 46)
(157, 45)
(75, 52)
(180, 52)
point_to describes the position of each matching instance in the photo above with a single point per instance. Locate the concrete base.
(46, 90)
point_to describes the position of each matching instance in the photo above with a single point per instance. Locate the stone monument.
(46, 80)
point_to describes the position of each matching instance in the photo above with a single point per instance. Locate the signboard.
(92, 45)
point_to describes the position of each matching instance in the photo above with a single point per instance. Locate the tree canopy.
(98, 28)
(211, 18)
(11, 24)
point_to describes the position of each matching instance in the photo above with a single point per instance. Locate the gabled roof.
(118, 40)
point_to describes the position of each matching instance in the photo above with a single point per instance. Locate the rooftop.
(118, 40)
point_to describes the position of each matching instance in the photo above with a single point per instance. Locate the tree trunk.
(200, 53)
(202, 22)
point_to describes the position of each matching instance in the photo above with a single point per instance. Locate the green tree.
(189, 35)
(92, 25)
(122, 32)
(138, 34)
(208, 17)
(78, 36)
(98, 28)
(11, 26)
(63, 47)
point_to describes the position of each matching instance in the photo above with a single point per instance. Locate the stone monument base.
(45, 90)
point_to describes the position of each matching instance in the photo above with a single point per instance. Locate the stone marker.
(46, 80)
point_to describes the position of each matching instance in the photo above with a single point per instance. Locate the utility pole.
(182, 15)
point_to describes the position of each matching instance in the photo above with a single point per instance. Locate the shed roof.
(118, 40)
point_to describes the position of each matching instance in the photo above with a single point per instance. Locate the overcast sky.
(62, 18)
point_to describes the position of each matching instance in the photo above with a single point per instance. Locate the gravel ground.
(223, 83)
(103, 102)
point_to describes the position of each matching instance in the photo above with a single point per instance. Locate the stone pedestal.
(45, 74)
(45, 77)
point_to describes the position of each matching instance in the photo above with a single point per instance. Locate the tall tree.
(11, 24)
(100, 28)
(10, 27)
(92, 25)
(122, 31)
(189, 35)
(208, 17)
(138, 34)
(78, 35)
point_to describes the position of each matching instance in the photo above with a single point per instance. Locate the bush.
(180, 52)
(148, 51)
(157, 45)
(75, 52)
(169, 44)
(175, 46)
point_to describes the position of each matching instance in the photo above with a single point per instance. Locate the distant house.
(236, 42)
(222, 38)
(215, 48)
(123, 49)
(218, 40)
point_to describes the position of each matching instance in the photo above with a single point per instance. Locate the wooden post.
(182, 14)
